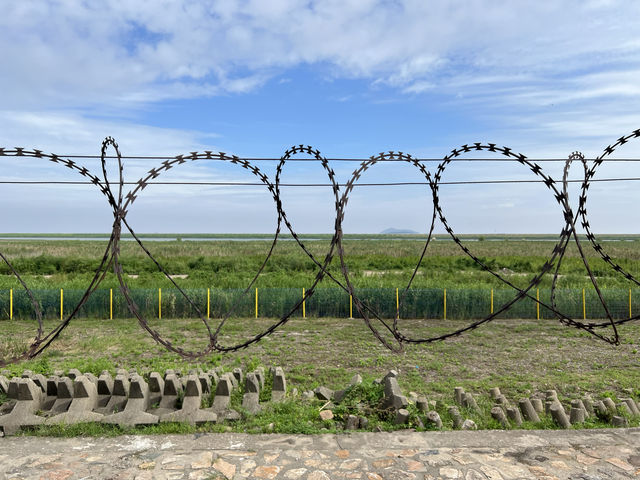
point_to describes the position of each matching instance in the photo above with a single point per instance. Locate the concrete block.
(469, 401)
(40, 380)
(538, 406)
(233, 380)
(172, 388)
(261, 376)
(455, 416)
(576, 415)
(433, 419)
(498, 414)
(51, 393)
(4, 384)
(119, 395)
(64, 387)
(251, 402)
(223, 395)
(279, 388)
(156, 386)
(29, 400)
(514, 415)
(191, 411)
(251, 384)
(323, 393)
(237, 372)
(610, 405)
(353, 422)
(105, 389)
(559, 415)
(85, 399)
(73, 373)
(213, 375)
(134, 411)
(528, 412)
(393, 397)
(469, 424)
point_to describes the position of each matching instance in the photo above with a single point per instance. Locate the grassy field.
(519, 357)
(372, 262)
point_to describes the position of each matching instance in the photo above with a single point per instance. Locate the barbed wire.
(388, 332)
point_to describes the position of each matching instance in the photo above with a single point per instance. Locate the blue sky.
(351, 78)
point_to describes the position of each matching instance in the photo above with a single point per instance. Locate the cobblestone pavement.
(491, 455)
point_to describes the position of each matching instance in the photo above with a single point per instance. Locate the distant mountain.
(398, 231)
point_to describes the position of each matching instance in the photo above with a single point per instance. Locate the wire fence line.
(424, 303)
(377, 320)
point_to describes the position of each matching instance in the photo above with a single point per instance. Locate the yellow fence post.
(208, 303)
(445, 303)
(492, 300)
(61, 304)
(584, 306)
(304, 311)
(111, 304)
(630, 304)
(11, 304)
(159, 303)
(350, 306)
(537, 303)
(397, 305)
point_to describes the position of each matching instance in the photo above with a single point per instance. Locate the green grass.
(375, 262)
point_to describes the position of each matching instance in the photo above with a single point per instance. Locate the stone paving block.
(279, 388)
(29, 400)
(64, 388)
(119, 395)
(134, 412)
(191, 411)
(85, 399)
(105, 389)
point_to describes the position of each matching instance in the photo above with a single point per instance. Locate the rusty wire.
(388, 332)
